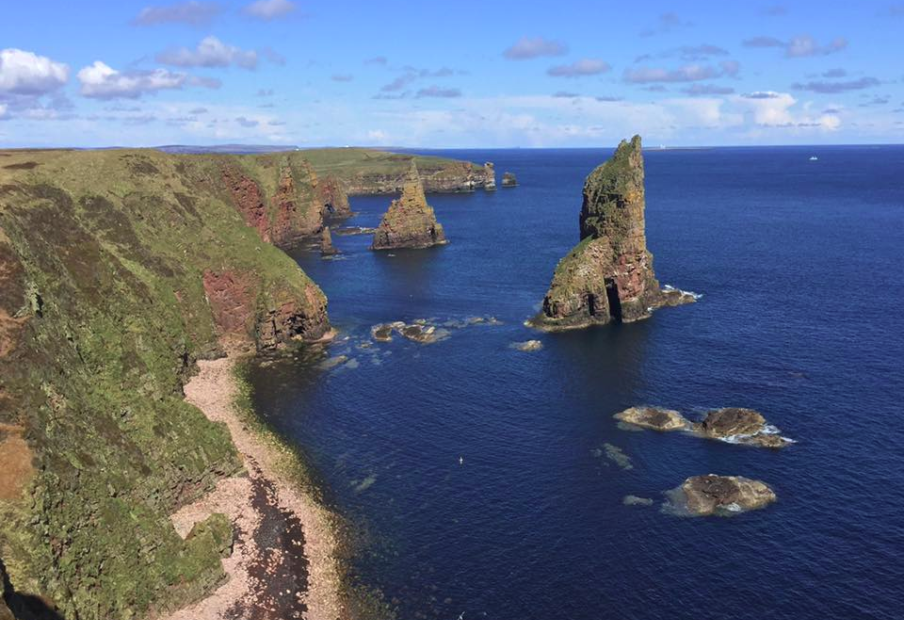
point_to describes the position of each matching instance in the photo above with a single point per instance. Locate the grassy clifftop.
(118, 269)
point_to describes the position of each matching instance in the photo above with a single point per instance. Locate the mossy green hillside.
(103, 257)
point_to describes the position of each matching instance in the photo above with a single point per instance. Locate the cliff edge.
(118, 270)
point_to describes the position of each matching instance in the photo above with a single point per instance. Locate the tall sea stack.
(608, 276)
(410, 222)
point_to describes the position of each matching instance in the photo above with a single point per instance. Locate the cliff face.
(608, 276)
(118, 269)
(278, 195)
(333, 198)
(410, 222)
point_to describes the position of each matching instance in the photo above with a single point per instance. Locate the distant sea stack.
(489, 172)
(509, 180)
(608, 276)
(410, 222)
(326, 243)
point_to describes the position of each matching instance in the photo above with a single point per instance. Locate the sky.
(574, 73)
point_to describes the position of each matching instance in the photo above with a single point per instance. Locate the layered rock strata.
(609, 275)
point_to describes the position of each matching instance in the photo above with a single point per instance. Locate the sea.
(482, 481)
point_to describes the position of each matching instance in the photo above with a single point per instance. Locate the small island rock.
(528, 345)
(711, 494)
(655, 418)
(509, 180)
(738, 425)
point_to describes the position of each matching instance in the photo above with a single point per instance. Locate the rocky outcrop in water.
(326, 243)
(655, 418)
(410, 222)
(509, 180)
(744, 426)
(609, 275)
(489, 175)
(720, 495)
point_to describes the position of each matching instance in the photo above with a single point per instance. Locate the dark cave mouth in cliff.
(615, 310)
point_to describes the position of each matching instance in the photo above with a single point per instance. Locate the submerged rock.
(326, 243)
(609, 275)
(355, 230)
(417, 332)
(528, 345)
(655, 418)
(618, 456)
(633, 500)
(509, 180)
(738, 425)
(410, 222)
(719, 495)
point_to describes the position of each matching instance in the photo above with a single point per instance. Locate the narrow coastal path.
(283, 561)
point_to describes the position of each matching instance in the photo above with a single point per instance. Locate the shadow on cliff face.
(23, 606)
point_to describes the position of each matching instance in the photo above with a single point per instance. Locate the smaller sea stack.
(326, 243)
(410, 222)
(509, 180)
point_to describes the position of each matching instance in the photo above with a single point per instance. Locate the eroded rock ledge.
(609, 275)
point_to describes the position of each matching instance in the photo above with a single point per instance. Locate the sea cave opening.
(615, 311)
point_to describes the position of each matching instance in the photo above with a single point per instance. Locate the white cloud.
(580, 68)
(99, 81)
(193, 13)
(807, 46)
(211, 52)
(270, 9)
(534, 47)
(26, 73)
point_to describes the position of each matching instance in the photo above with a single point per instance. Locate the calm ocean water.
(800, 265)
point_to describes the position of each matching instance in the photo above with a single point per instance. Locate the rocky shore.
(282, 563)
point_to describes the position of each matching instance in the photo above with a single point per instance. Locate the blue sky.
(463, 74)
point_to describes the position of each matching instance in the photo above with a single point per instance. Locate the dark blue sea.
(476, 476)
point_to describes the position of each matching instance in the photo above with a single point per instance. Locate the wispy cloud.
(246, 122)
(270, 9)
(437, 92)
(534, 47)
(776, 10)
(830, 88)
(798, 47)
(686, 73)
(210, 52)
(667, 22)
(580, 68)
(192, 13)
(377, 60)
(697, 90)
(342, 77)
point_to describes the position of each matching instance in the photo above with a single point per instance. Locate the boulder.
(655, 418)
(721, 495)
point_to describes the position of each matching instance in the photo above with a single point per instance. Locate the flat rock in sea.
(739, 425)
(655, 418)
(633, 500)
(702, 496)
